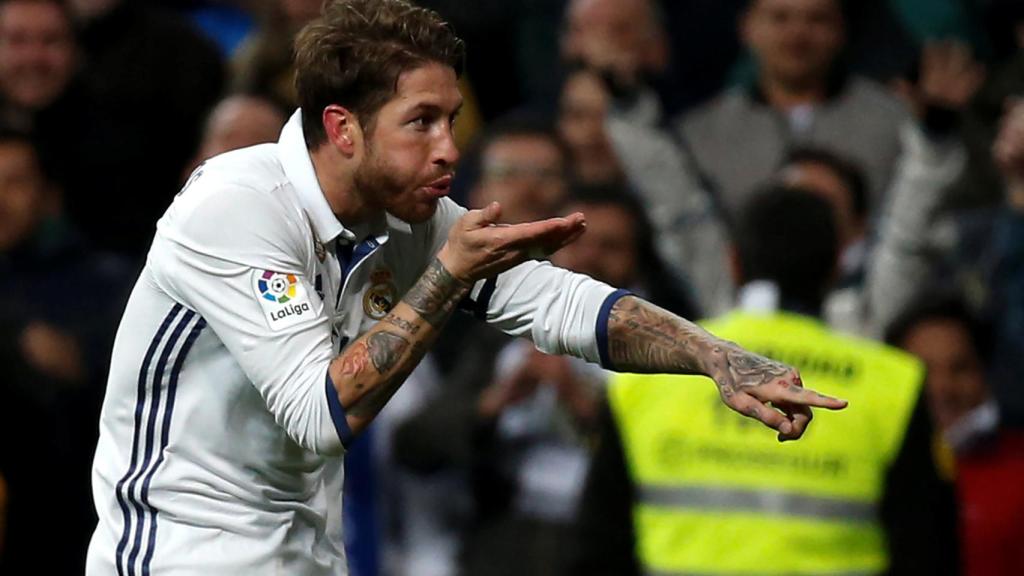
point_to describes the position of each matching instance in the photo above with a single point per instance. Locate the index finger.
(808, 397)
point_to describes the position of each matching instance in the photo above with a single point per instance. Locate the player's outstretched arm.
(647, 339)
(369, 371)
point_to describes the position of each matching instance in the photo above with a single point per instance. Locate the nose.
(446, 153)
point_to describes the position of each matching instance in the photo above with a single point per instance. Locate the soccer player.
(269, 324)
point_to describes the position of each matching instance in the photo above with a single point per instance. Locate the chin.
(417, 213)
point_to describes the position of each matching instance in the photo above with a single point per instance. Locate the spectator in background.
(670, 496)
(40, 89)
(38, 58)
(840, 183)
(986, 461)
(583, 106)
(802, 96)
(263, 64)
(1008, 301)
(619, 248)
(624, 38)
(59, 304)
(152, 80)
(922, 242)
(239, 121)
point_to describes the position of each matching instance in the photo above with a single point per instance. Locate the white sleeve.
(905, 257)
(266, 314)
(561, 311)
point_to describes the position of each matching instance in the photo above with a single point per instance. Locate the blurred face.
(824, 182)
(794, 41)
(37, 52)
(525, 174)
(625, 26)
(607, 251)
(409, 155)
(21, 196)
(238, 122)
(956, 381)
(584, 106)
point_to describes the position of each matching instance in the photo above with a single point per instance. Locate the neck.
(783, 94)
(336, 178)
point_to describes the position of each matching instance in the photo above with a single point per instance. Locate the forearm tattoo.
(385, 350)
(644, 338)
(401, 324)
(395, 353)
(436, 294)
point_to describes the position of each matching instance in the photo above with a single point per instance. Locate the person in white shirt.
(268, 325)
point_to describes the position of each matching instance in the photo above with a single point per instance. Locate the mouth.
(440, 187)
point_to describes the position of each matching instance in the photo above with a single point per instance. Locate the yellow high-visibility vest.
(718, 494)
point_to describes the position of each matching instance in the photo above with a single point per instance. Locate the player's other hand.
(478, 247)
(766, 390)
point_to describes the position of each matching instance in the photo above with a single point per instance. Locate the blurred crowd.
(836, 184)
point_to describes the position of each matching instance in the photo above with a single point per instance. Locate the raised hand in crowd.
(948, 78)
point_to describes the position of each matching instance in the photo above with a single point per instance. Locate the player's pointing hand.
(766, 390)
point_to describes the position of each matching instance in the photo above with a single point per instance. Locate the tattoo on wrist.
(436, 294)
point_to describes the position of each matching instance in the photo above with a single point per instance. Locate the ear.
(343, 129)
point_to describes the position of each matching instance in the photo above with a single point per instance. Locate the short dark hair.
(848, 171)
(942, 306)
(354, 53)
(521, 124)
(787, 235)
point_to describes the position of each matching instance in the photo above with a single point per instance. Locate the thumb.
(483, 217)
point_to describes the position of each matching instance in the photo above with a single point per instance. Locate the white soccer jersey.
(218, 451)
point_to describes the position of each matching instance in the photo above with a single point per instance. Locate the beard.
(384, 187)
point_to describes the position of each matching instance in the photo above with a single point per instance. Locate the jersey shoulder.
(240, 207)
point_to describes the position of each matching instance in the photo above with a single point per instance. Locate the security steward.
(676, 488)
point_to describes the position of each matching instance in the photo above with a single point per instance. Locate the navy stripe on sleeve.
(337, 412)
(483, 300)
(602, 326)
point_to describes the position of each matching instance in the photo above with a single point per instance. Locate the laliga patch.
(283, 298)
(381, 296)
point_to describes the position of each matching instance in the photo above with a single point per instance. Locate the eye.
(421, 122)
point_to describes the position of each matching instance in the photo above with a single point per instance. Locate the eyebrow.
(434, 108)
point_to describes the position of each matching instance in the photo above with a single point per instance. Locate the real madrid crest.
(380, 297)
